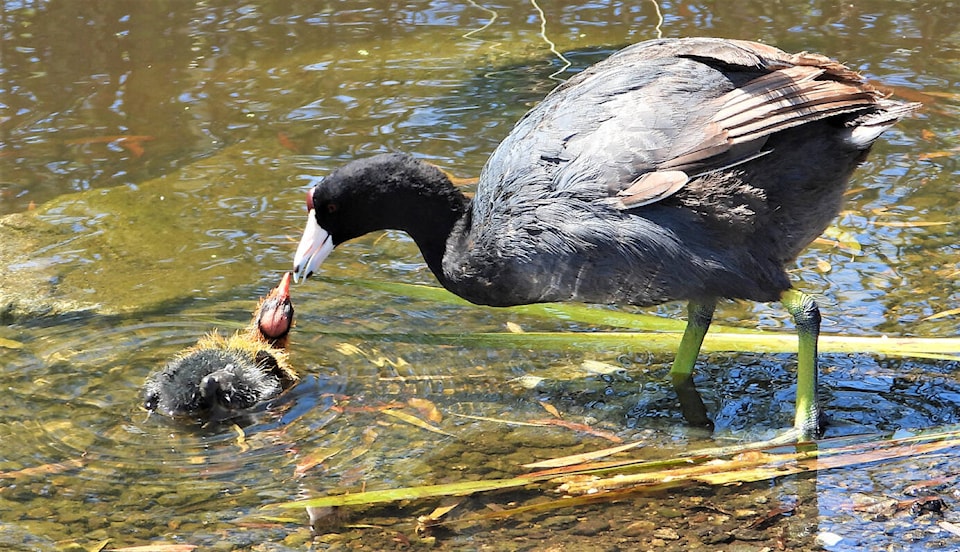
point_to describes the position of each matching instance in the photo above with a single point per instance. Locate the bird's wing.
(770, 103)
(626, 125)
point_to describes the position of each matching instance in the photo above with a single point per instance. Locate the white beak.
(314, 247)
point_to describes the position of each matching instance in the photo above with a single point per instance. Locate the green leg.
(806, 315)
(699, 316)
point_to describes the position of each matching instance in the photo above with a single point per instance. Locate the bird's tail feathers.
(866, 129)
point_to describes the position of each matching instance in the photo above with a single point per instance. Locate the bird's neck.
(427, 206)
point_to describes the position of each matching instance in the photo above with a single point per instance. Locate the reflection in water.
(246, 106)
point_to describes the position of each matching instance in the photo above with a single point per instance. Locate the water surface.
(153, 166)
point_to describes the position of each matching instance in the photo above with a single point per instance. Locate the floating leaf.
(581, 458)
(156, 548)
(370, 436)
(927, 155)
(441, 511)
(950, 527)
(911, 223)
(912, 94)
(463, 488)
(583, 428)
(550, 408)
(314, 459)
(923, 485)
(241, 437)
(427, 409)
(529, 382)
(133, 144)
(838, 237)
(871, 504)
(943, 314)
(10, 344)
(496, 420)
(549, 422)
(417, 422)
(381, 361)
(43, 470)
(287, 143)
(348, 349)
(371, 408)
(374, 357)
(431, 520)
(601, 368)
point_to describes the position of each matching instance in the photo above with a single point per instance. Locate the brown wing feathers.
(791, 95)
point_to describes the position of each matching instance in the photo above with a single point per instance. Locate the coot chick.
(222, 377)
(676, 169)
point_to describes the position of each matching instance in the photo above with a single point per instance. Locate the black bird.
(222, 377)
(676, 169)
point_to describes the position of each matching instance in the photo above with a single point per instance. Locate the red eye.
(310, 199)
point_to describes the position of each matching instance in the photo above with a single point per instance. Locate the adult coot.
(675, 169)
(221, 377)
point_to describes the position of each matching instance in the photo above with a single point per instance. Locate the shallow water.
(229, 113)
